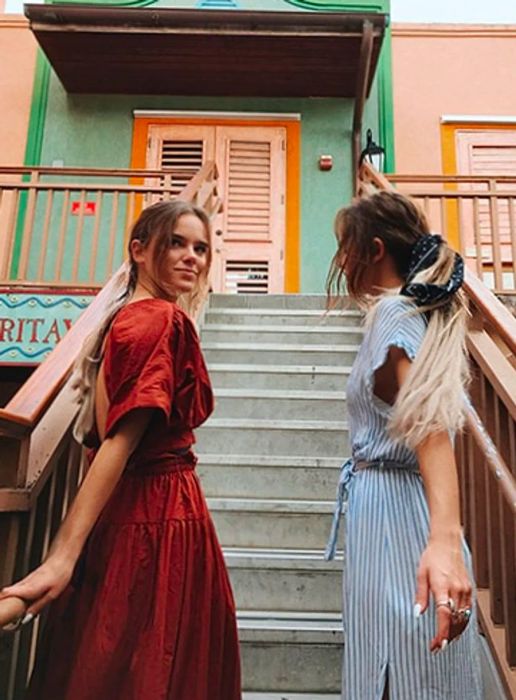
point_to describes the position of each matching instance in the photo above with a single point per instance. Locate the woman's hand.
(41, 586)
(442, 572)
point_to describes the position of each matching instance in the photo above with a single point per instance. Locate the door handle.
(218, 232)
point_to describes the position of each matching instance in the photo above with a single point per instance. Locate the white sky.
(472, 11)
(466, 11)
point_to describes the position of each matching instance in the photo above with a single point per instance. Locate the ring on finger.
(463, 614)
(449, 603)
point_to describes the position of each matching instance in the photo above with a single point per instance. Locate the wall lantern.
(373, 153)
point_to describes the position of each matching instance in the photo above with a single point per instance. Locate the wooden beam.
(363, 77)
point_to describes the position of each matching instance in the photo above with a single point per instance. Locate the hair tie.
(425, 253)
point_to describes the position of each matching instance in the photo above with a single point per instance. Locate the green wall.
(96, 131)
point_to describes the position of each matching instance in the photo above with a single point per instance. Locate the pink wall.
(447, 69)
(17, 59)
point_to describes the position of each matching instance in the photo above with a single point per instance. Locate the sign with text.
(32, 323)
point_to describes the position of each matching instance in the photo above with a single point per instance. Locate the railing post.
(28, 226)
(13, 466)
(495, 236)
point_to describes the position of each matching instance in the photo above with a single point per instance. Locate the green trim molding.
(343, 6)
(386, 103)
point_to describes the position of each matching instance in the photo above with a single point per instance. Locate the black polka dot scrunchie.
(424, 254)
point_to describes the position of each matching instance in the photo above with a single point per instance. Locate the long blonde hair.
(155, 224)
(432, 397)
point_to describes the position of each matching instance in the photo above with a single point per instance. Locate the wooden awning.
(102, 49)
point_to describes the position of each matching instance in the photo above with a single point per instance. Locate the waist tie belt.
(347, 471)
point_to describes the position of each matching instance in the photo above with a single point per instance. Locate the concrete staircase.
(269, 462)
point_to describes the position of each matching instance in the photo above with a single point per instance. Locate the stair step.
(289, 696)
(258, 335)
(291, 652)
(315, 318)
(268, 301)
(280, 376)
(269, 403)
(289, 625)
(267, 476)
(258, 522)
(276, 437)
(285, 580)
(280, 353)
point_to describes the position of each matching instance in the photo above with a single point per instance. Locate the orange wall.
(447, 69)
(17, 61)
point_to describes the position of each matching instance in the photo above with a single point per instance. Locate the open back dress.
(149, 614)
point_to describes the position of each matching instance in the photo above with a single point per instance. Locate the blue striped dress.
(386, 530)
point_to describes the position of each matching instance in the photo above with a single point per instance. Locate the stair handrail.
(62, 171)
(29, 404)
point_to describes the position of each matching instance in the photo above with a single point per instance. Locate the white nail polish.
(417, 610)
(444, 644)
(28, 617)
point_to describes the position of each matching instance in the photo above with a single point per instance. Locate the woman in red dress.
(145, 609)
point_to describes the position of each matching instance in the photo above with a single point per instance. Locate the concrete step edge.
(209, 458)
(266, 424)
(291, 394)
(278, 369)
(265, 311)
(271, 505)
(278, 553)
(309, 330)
(288, 564)
(289, 621)
(279, 347)
(285, 695)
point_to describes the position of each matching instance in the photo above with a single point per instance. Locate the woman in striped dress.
(409, 610)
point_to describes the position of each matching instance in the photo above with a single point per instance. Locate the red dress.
(149, 614)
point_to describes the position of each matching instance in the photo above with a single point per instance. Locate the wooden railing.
(478, 214)
(486, 456)
(42, 466)
(67, 226)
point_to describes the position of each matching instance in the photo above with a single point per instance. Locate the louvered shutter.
(248, 191)
(252, 160)
(246, 276)
(184, 158)
(495, 160)
(488, 152)
(179, 150)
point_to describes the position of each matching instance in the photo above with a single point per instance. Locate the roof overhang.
(102, 49)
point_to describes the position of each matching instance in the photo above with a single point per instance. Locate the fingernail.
(28, 617)
(444, 644)
(417, 610)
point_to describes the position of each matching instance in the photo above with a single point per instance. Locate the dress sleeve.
(396, 323)
(138, 362)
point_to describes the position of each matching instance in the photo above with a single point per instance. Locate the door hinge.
(149, 142)
(282, 144)
(281, 255)
(283, 199)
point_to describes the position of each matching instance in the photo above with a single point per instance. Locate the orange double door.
(249, 234)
